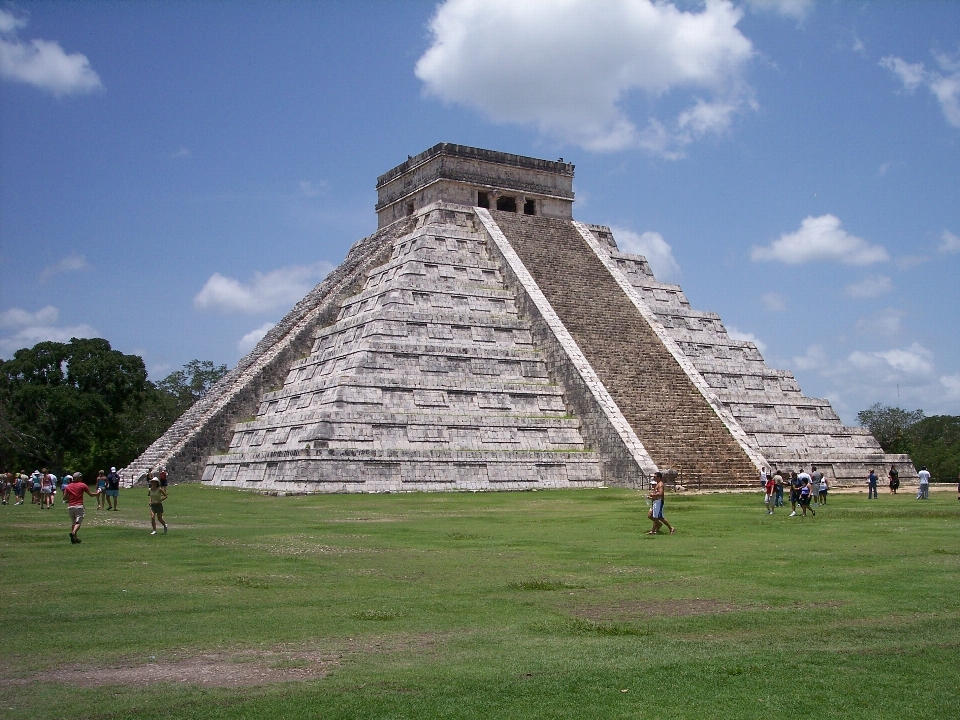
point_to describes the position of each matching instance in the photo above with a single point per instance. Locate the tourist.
(778, 483)
(797, 482)
(822, 490)
(816, 476)
(20, 488)
(923, 493)
(75, 492)
(113, 488)
(101, 489)
(162, 477)
(48, 489)
(35, 488)
(806, 495)
(656, 511)
(894, 476)
(6, 485)
(872, 486)
(157, 495)
(763, 478)
(771, 495)
(64, 481)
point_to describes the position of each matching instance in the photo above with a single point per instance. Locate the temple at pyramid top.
(472, 176)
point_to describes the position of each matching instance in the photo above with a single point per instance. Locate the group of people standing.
(42, 487)
(806, 489)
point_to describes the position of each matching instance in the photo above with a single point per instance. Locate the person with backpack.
(113, 488)
(894, 476)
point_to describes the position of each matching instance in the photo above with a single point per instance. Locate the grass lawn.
(499, 605)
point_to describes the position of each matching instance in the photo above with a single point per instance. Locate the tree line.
(83, 406)
(932, 441)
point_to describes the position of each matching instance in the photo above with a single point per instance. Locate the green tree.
(935, 442)
(84, 406)
(188, 385)
(62, 405)
(890, 425)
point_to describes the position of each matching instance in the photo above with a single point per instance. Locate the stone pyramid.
(482, 339)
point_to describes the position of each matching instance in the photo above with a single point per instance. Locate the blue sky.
(175, 176)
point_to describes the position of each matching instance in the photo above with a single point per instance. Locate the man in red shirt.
(74, 493)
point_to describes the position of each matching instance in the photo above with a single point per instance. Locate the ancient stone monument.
(482, 339)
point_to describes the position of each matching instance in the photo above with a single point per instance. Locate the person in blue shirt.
(872, 486)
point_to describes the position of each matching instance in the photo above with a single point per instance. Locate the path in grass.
(550, 604)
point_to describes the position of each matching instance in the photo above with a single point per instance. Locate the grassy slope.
(495, 605)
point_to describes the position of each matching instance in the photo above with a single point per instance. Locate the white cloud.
(250, 340)
(653, 247)
(886, 324)
(774, 302)
(913, 363)
(814, 359)
(71, 263)
(796, 9)
(870, 287)
(950, 242)
(277, 289)
(821, 238)
(944, 85)
(42, 63)
(566, 67)
(736, 334)
(952, 384)
(33, 327)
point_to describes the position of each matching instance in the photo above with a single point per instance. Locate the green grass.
(499, 605)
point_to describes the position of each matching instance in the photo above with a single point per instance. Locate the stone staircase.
(669, 414)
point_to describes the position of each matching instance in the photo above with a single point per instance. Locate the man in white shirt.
(924, 492)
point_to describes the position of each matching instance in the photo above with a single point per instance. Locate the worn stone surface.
(460, 348)
(428, 380)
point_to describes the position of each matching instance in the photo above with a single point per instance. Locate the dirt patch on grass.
(208, 670)
(640, 609)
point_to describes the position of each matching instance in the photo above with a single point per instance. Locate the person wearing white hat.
(113, 488)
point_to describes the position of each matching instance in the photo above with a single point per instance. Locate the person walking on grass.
(48, 489)
(816, 476)
(113, 488)
(797, 482)
(821, 489)
(806, 495)
(101, 489)
(75, 492)
(894, 476)
(923, 492)
(778, 484)
(656, 511)
(157, 495)
(770, 497)
(872, 486)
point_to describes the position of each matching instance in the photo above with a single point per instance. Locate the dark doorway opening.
(410, 208)
(530, 207)
(483, 200)
(507, 204)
